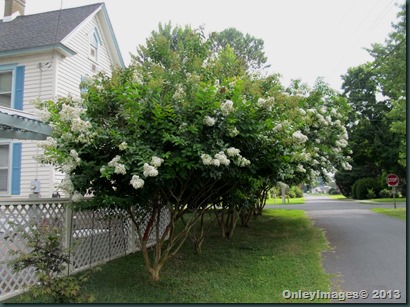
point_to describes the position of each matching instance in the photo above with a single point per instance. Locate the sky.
(303, 39)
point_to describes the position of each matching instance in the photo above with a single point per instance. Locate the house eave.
(60, 48)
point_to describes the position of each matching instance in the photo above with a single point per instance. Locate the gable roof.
(47, 30)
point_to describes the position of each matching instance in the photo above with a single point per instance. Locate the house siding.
(62, 78)
(37, 84)
(70, 70)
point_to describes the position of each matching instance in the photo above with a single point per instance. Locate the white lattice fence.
(95, 236)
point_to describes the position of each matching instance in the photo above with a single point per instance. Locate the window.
(95, 43)
(12, 86)
(6, 82)
(10, 168)
(4, 168)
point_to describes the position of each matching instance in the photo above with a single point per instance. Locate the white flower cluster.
(137, 182)
(179, 92)
(346, 166)
(322, 120)
(209, 121)
(300, 169)
(277, 128)
(74, 154)
(123, 146)
(242, 161)
(217, 161)
(72, 115)
(71, 162)
(77, 196)
(232, 152)
(119, 168)
(150, 171)
(227, 107)
(66, 185)
(341, 143)
(43, 115)
(233, 132)
(137, 77)
(156, 162)
(68, 113)
(193, 78)
(266, 103)
(49, 142)
(306, 156)
(221, 158)
(79, 125)
(299, 137)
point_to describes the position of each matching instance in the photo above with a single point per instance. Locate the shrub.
(274, 192)
(297, 191)
(50, 261)
(371, 193)
(353, 191)
(363, 185)
(385, 193)
(291, 194)
(333, 191)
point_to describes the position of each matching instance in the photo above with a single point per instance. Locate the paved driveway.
(368, 250)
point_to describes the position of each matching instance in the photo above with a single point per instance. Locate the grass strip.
(399, 213)
(288, 201)
(280, 250)
(388, 200)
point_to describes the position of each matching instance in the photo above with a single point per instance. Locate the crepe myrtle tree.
(167, 137)
(303, 137)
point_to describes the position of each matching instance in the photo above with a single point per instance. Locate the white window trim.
(10, 68)
(94, 36)
(8, 192)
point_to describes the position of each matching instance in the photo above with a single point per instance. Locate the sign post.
(392, 180)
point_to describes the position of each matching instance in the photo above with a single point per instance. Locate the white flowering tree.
(181, 131)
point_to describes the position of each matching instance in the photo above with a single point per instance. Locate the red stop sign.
(392, 180)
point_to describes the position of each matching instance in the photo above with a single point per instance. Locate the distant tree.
(390, 73)
(376, 92)
(247, 48)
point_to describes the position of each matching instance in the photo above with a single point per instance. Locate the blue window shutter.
(16, 169)
(19, 88)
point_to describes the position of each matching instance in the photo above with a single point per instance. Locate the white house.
(43, 56)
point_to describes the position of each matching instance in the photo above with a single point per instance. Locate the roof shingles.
(44, 29)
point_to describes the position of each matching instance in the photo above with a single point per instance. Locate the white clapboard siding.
(61, 79)
(71, 69)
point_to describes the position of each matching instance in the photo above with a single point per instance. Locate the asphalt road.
(368, 249)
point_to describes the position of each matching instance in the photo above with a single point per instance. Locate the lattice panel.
(23, 216)
(165, 217)
(97, 236)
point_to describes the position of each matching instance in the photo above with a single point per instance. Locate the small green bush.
(291, 194)
(333, 191)
(371, 193)
(385, 193)
(363, 186)
(50, 262)
(297, 191)
(354, 189)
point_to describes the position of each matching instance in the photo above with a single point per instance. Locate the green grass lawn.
(338, 197)
(280, 250)
(289, 201)
(389, 200)
(399, 213)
